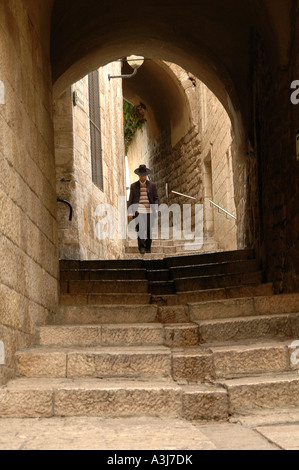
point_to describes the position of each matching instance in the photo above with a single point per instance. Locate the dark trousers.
(144, 232)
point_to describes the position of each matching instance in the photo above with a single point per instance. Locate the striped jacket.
(135, 196)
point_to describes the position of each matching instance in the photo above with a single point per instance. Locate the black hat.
(142, 171)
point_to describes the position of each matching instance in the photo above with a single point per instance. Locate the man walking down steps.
(143, 196)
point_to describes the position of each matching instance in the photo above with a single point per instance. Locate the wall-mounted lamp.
(135, 62)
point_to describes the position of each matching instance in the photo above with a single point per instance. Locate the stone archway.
(183, 117)
(232, 46)
(246, 52)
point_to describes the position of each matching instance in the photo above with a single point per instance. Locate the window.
(95, 129)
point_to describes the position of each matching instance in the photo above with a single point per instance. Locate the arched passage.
(187, 142)
(231, 46)
(85, 36)
(246, 52)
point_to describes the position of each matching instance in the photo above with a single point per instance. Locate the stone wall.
(78, 239)
(28, 230)
(218, 170)
(277, 185)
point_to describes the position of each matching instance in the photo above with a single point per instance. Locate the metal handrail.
(184, 195)
(223, 210)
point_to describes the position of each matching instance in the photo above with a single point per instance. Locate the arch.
(209, 39)
(88, 34)
(243, 51)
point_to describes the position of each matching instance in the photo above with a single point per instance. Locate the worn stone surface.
(120, 362)
(208, 403)
(69, 335)
(144, 334)
(284, 436)
(135, 434)
(85, 314)
(42, 363)
(192, 365)
(288, 303)
(131, 400)
(23, 404)
(268, 392)
(238, 360)
(231, 329)
(221, 309)
(173, 314)
(179, 335)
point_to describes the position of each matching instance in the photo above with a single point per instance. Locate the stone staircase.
(164, 247)
(219, 344)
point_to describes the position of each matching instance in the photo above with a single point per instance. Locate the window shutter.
(95, 129)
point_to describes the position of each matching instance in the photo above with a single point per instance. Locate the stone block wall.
(218, 170)
(277, 184)
(78, 239)
(175, 166)
(28, 228)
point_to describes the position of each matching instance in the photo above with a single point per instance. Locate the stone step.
(100, 274)
(101, 335)
(158, 275)
(161, 287)
(193, 365)
(120, 334)
(225, 293)
(232, 360)
(102, 362)
(254, 357)
(164, 256)
(171, 242)
(185, 362)
(193, 247)
(206, 295)
(104, 287)
(100, 264)
(45, 398)
(181, 249)
(106, 314)
(154, 265)
(179, 252)
(234, 329)
(233, 267)
(105, 299)
(210, 258)
(249, 394)
(162, 250)
(246, 306)
(146, 256)
(217, 281)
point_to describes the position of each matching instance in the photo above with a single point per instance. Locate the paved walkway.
(261, 432)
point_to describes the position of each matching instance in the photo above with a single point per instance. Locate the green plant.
(133, 121)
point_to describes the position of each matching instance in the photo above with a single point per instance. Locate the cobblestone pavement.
(262, 432)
